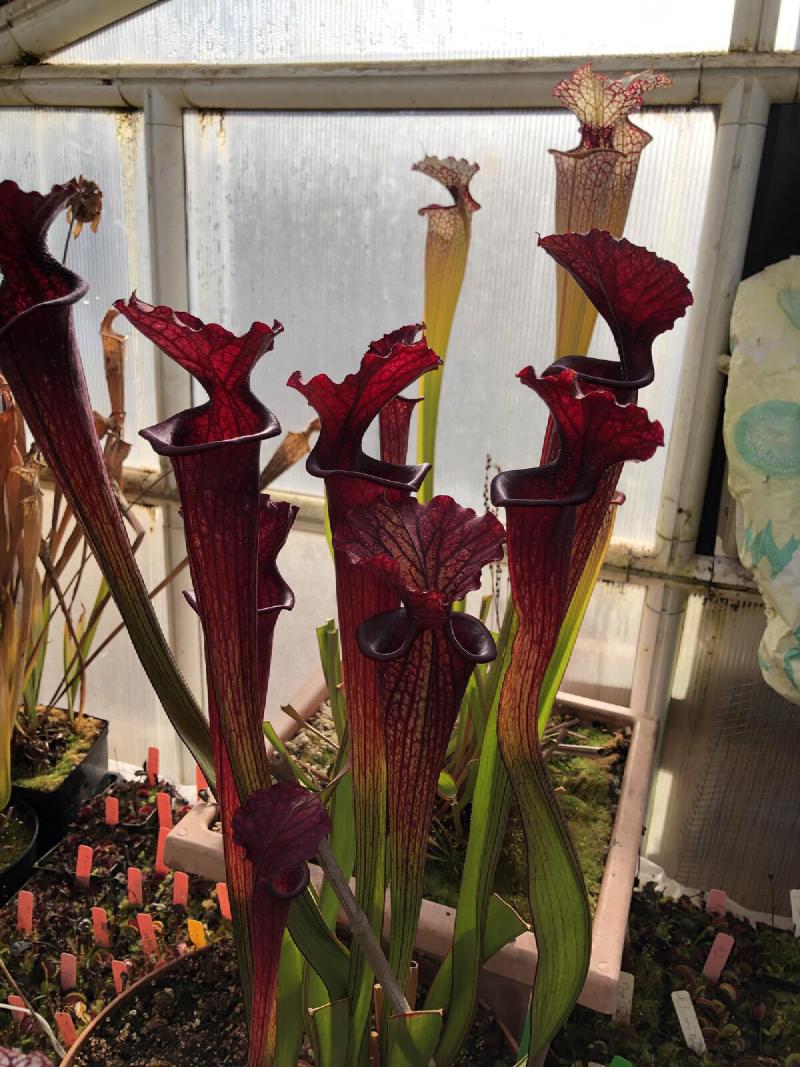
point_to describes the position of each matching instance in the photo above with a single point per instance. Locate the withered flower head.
(85, 206)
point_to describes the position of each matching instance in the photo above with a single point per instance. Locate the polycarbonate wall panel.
(251, 31)
(312, 219)
(46, 146)
(788, 35)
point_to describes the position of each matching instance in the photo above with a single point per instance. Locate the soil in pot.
(588, 791)
(194, 1015)
(750, 1018)
(18, 831)
(62, 914)
(43, 757)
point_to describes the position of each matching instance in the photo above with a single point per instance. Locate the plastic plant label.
(83, 865)
(224, 900)
(794, 899)
(197, 934)
(687, 1017)
(16, 1001)
(100, 927)
(118, 972)
(147, 934)
(716, 901)
(152, 765)
(622, 1012)
(25, 911)
(164, 806)
(135, 895)
(718, 956)
(69, 972)
(161, 867)
(180, 890)
(66, 1028)
(200, 780)
(112, 811)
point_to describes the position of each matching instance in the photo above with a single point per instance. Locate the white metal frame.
(742, 83)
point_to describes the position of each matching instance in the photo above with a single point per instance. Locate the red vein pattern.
(352, 478)
(430, 555)
(39, 358)
(278, 830)
(233, 535)
(593, 434)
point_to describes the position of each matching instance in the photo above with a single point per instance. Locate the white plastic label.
(622, 1014)
(794, 897)
(687, 1017)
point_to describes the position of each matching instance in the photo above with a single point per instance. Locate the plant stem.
(362, 931)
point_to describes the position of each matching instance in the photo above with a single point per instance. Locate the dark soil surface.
(750, 1018)
(195, 1016)
(43, 757)
(62, 913)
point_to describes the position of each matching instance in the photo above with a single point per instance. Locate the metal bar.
(31, 28)
(754, 25)
(170, 285)
(723, 239)
(446, 84)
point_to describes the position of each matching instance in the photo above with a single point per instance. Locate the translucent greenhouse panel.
(250, 31)
(46, 146)
(788, 35)
(312, 219)
(605, 652)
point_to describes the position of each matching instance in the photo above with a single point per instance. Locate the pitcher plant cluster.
(412, 661)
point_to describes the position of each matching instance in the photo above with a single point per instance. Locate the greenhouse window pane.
(788, 36)
(46, 146)
(287, 31)
(312, 219)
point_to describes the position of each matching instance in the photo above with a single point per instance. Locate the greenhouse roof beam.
(30, 29)
(696, 80)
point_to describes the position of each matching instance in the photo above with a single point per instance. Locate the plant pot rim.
(119, 1001)
(193, 847)
(26, 791)
(32, 820)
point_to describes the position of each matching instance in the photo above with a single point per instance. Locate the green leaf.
(326, 1026)
(40, 625)
(279, 746)
(447, 786)
(412, 1038)
(490, 806)
(502, 925)
(319, 945)
(290, 1005)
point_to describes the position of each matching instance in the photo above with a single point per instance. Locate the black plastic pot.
(18, 872)
(57, 809)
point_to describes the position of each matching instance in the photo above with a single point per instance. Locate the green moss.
(77, 746)
(15, 836)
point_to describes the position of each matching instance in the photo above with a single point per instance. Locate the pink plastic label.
(152, 765)
(180, 889)
(161, 867)
(69, 972)
(16, 1001)
(135, 895)
(718, 956)
(164, 806)
(118, 972)
(83, 865)
(224, 900)
(716, 901)
(112, 811)
(100, 927)
(66, 1027)
(147, 934)
(25, 911)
